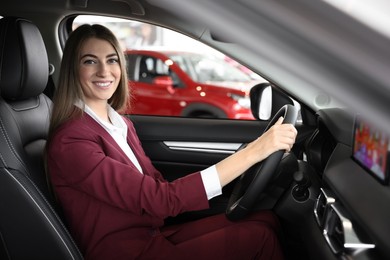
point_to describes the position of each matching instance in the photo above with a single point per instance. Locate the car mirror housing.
(266, 101)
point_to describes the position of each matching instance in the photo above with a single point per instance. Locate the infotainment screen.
(371, 149)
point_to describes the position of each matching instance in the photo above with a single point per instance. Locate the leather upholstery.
(29, 226)
(24, 63)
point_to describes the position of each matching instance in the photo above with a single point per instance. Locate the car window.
(173, 75)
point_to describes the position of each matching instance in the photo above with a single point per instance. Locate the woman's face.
(99, 72)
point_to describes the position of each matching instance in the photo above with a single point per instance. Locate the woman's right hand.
(278, 137)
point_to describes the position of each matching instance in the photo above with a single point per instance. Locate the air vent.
(339, 233)
(334, 231)
(324, 200)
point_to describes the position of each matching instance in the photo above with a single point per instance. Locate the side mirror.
(163, 81)
(267, 101)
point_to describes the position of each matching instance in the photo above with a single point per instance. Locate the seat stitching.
(9, 144)
(2, 160)
(30, 195)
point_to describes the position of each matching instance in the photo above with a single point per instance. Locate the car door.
(180, 146)
(148, 96)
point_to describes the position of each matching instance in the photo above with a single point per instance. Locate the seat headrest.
(24, 66)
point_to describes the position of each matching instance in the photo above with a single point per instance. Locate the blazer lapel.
(96, 127)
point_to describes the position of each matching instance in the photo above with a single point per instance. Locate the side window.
(190, 78)
(150, 68)
(147, 69)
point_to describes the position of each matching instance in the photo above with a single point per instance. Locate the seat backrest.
(30, 228)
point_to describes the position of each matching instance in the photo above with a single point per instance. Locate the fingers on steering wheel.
(280, 121)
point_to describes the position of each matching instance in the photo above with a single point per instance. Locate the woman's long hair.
(69, 89)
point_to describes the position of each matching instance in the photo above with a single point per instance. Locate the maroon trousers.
(215, 237)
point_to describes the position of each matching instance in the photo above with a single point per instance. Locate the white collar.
(117, 122)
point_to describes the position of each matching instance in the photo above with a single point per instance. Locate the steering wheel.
(254, 180)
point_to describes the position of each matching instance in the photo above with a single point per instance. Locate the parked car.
(331, 193)
(187, 84)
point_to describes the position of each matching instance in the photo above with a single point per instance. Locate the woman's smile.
(103, 84)
(100, 71)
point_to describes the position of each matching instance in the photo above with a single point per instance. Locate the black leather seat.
(29, 226)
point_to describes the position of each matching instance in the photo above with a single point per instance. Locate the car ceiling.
(303, 46)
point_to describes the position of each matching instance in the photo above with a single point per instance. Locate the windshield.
(209, 68)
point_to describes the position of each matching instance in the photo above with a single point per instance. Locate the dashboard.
(352, 209)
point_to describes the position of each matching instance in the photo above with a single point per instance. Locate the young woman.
(114, 200)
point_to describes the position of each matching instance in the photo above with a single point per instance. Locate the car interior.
(331, 192)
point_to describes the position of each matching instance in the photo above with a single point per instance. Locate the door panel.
(156, 133)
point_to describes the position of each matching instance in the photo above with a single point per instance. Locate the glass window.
(171, 74)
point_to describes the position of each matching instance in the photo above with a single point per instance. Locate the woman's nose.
(102, 69)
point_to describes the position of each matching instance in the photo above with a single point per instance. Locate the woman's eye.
(113, 60)
(89, 62)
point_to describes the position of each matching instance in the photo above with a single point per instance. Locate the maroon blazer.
(110, 207)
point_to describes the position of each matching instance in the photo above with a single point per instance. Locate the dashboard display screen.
(371, 149)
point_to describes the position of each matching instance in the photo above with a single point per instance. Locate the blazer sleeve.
(81, 159)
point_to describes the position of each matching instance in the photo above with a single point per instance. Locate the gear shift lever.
(301, 191)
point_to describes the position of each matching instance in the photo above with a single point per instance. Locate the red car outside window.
(186, 84)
